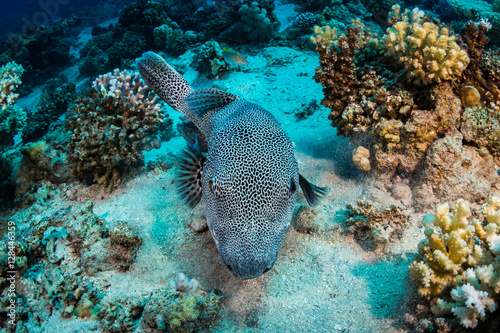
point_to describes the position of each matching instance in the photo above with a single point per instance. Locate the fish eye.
(211, 185)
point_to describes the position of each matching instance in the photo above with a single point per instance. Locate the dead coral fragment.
(170, 309)
(381, 225)
(361, 158)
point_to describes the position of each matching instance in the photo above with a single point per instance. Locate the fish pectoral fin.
(188, 174)
(312, 192)
(203, 101)
(193, 134)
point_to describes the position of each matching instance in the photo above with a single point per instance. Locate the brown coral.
(483, 70)
(117, 119)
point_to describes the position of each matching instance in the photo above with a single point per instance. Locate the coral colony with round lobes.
(150, 153)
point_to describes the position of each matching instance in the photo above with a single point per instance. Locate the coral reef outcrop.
(210, 60)
(118, 118)
(56, 99)
(52, 261)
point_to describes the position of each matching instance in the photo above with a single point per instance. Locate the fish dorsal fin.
(312, 192)
(203, 101)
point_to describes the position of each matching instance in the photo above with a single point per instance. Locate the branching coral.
(343, 84)
(463, 256)
(427, 51)
(111, 125)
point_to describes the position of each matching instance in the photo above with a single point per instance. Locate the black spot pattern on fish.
(250, 167)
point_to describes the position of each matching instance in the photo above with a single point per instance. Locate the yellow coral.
(449, 243)
(325, 35)
(427, 51)
(461, 255)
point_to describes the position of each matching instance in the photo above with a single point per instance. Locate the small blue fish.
(233, 57)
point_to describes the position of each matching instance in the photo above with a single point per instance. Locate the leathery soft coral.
(111, 125)
(427, 51)
(461, 261)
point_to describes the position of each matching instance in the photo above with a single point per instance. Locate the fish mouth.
(250, 271)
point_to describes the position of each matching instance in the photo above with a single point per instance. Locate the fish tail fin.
(164, 80)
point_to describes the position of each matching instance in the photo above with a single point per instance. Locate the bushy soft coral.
(111, 125)
(427, 51)
(461, 262)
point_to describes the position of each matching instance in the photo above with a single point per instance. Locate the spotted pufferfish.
(240, 161)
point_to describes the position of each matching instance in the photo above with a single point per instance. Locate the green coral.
(496, 6)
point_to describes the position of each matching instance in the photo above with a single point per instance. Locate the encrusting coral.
(460, 269)
(428, 52)
(118, 118)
